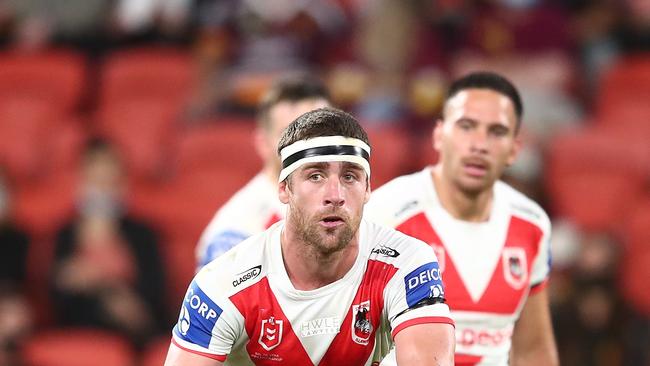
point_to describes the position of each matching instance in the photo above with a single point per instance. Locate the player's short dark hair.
(291, 88)
(489, 80)
(322, 122)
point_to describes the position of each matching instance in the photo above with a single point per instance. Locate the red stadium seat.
(56, 77)
(626, 83)
(144, 132)
(424, 153)
(219, 146)
(24, 126)
(77, 347)
(390, 154)
(635, 263)
(595, 176)
(163, 74)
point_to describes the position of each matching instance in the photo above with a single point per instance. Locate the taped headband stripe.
(326, 150)
(323, 149)
(284, 173)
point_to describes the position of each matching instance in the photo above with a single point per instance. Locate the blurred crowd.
(125, 124)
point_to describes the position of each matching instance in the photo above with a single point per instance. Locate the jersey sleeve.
(214, 243)
(542, 263)
(416, 293)
(207, 325)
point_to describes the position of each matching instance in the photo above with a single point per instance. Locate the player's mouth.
(475, 167)
(332, 221)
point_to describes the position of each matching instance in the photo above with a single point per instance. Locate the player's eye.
(499, 131)
(349, 177)
(315, 177)
(465, 125)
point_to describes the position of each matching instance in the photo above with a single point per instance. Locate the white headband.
(322, 149)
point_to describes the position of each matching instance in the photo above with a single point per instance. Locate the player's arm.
(177, 356)
(425, 344)
(532, 338)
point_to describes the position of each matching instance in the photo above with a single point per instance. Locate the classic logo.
(271, 333)
(515, 267)
(386, 251)
(247, 275)
(361, 325)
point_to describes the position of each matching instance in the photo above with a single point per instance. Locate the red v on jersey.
(344, 350)
(509, 281)
(268, 345)
(272, 340)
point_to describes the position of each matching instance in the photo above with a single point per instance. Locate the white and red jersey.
(243, 309)
(250, 211)
(489, 268)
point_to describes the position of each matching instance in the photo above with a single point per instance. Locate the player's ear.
(514, 151)
(283, 191)
(260, 138)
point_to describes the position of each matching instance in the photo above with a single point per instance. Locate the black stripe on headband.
(325, 150)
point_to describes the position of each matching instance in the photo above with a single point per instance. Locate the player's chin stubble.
(326, 242)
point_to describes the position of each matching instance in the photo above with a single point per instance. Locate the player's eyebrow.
(318, 165)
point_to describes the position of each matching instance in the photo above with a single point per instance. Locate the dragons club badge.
(361, 324)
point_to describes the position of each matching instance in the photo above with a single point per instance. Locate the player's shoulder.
(390, 246)
(248, 199)
(243, 215)
(399, 198)
(522, 206)
(240, 267)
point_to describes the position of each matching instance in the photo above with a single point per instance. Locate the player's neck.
(460, 204)
(308, 269)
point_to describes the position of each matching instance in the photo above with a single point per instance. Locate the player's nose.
(334, 194)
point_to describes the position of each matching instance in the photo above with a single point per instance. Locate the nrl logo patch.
(271, 333)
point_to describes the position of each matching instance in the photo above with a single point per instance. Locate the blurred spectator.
(107, 270)
(587, 308)
(145, 21)
(634, 29)
(605, 30)
(593, 25)
(15, 314)
(39, 23)
(248, 44)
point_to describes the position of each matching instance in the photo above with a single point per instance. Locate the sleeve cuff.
(538, 286)
(221, 358)
(423, 320)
